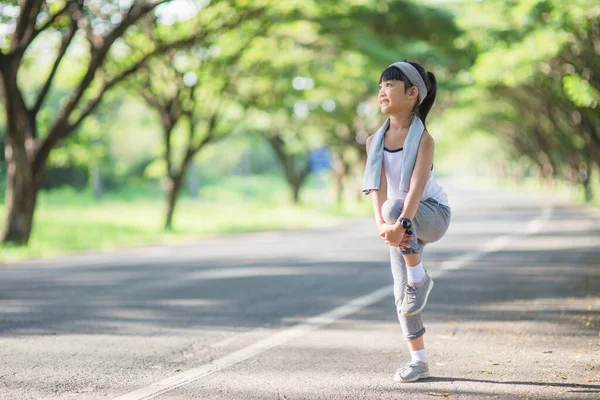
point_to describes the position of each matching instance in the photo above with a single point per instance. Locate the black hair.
(394, 74)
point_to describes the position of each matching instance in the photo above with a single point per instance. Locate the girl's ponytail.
(427, 103)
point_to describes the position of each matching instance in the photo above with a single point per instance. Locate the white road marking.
(497, 244)
(273, 341)
(322, 320)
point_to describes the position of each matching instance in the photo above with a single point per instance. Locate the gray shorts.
(429, 225)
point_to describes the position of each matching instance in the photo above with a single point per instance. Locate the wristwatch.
(406, 224)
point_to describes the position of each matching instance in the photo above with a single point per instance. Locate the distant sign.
(320, 159)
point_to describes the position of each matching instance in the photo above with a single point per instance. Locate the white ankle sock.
(415, 274)
(418, 355)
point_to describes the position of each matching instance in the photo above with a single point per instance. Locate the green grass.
(67, 221)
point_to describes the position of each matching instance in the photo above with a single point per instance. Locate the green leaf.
(580, 91)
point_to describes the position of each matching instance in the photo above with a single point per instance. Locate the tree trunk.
(295, 177)
(296, 185)
(21, 194)
(298, 178)
(173, 187)
(22, 181)
(585, 177)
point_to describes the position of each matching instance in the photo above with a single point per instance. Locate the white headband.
(414, 77)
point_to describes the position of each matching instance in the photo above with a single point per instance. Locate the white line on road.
(273, 341)
(493, 246)
(322, 320)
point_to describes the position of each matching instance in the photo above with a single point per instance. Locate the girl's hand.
(404, 243)
(393, 235)
(381, 225)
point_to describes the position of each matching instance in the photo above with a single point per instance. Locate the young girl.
(411, 208)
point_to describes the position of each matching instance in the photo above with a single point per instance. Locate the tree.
(104, 24)
(186, 87)
(276, 110)
(538, 82)
(194, 97)
(27, 149)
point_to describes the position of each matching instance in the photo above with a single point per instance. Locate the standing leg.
(412, 326)
(411, 286)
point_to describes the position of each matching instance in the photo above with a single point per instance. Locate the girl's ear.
(413, 92)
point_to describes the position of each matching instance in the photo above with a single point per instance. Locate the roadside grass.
(68, 221)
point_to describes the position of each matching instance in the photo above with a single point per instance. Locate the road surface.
(309, 314)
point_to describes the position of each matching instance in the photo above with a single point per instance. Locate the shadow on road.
(595, 388)
(147, 297)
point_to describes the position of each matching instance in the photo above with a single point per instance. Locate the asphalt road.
(515, 313)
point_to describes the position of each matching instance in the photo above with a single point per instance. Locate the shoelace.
(410, 291)
(410, 365)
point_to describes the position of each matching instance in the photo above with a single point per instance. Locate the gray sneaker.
(415, 298)
(412, 371)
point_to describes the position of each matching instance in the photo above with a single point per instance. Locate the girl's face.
(393, 98)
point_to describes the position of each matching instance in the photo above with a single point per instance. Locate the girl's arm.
(420, 176)
(395, 234)
(378, 197)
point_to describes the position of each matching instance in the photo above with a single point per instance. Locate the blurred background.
(131, 122)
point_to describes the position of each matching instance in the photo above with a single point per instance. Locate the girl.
(411, 208)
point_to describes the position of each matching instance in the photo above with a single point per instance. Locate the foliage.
(288, 77)
(536, 82)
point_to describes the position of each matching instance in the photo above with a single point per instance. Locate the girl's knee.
(391, 210)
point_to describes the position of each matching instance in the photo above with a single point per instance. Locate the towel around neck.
(374, 163)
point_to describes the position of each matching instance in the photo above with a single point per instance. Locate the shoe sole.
(424, 303)
(416, 378)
